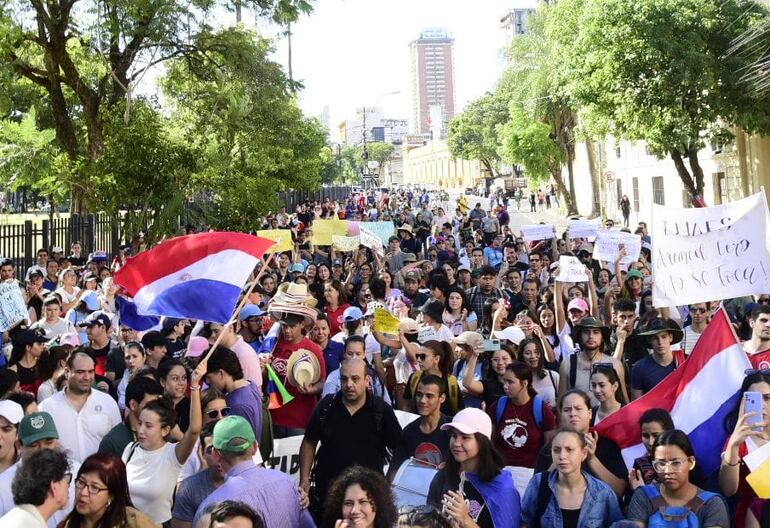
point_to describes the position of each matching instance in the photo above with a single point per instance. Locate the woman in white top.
(605, 384)
(67, 290)
(152, 463)
(135, 358)
(544, 381)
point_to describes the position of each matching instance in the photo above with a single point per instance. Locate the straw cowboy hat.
(303, 368)
(293, 293)
(281, 311)
(407, 228)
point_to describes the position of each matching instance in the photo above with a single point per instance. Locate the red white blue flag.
(196, 276)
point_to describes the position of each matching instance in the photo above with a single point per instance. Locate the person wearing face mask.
(568, 496)
(674, 494)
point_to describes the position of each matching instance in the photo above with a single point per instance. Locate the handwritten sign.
(385, 322)
(345, 243)
(571, 270)
(583, 228)
(426, 333)
(323, 230)
(282, 238)
(382, 230)
(709, 253)
(531, 233)
(607, 246)
(371, 240)
(12, 306)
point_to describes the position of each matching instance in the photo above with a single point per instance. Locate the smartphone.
(752, 402)
(491, 345)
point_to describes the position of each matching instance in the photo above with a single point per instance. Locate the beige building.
(433, 164)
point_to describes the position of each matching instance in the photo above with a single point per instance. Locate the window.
(658, 191)
(617, 151)
(635, 185)
(720, 188)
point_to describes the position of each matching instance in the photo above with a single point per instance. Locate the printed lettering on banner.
(386, 322)
(12, 306)
(281, 237)
(531, 233)
(323, 230)
(607, 246)
(345, 243)
(382, 230)
(583, 228)
(286, 455)
(571, 270)
(709, 253)
(371, 240)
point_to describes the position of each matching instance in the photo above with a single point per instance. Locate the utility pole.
(364, 154)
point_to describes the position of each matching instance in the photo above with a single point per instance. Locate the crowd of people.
(478, 411)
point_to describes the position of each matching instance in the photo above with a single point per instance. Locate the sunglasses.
(421, 357)
(698, 310)
(596, 367)
(751, 372)
(218, 413)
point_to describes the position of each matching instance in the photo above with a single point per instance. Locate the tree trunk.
(572, 202)
(568, 197)
(489, 167)
(596, 181)
(687, 180)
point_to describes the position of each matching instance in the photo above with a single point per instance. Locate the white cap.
(514, 334)
(11, 411)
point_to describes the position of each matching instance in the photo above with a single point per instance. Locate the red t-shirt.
(297, 412)
(516, 436)
(334, 326)
(760, 360)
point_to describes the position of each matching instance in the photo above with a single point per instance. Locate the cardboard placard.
(583, 228)
(13, 309)
(607, 246)
(571, 270)
(282, 238)
(532, 233)
(323, 230)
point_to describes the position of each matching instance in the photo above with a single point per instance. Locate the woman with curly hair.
(362, 498)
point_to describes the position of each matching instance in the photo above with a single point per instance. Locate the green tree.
(86, 58)
(528, 142)
(660, 71)
(472, 135)
(378, 151)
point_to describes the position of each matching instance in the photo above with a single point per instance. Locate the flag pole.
(238, 308)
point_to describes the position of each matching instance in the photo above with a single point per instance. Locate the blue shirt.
(494, 256)
(600, 504)
(333, 355)
(271, 493)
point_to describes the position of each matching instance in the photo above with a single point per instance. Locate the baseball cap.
(410, 257)
(251, 310)
(464, 268)
(233, 434)
(57, 249)
(11, 411)
(514, 334)
(196, 346)
(351, 313)
(472, 339)
(337, 262)
(69, 338)
(409, 325)
(578, 304)
(30, 336)
(36, 271)
(470, 421)
(95, 318)
(634, 273)
(36, 426)
(413, 275)
(92, 300)
(297, 267)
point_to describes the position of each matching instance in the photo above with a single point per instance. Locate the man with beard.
(423, 439)
(353, 426)
(649, 371)
(575, 371)
(758, 348)
(484, 291)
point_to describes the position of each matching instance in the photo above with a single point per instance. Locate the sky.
(348, 53)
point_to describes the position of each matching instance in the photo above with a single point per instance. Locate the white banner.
(370, 240)
(285, 456)
(583, 228)
(12, 306)
(710, 253)
(571, 270)
(607, 246)
(531, 233)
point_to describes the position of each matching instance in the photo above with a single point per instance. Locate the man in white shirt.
(53, 324)
(83, 416)
(40, 489)
(699, 317)
(37, 431)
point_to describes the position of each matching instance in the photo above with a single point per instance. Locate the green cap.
(233, 434)
(634, 273)
(36, 426)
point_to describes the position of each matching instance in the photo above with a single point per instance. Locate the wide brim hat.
(407, 228)
(593, 322)
(279, 311)
(294, 293)
(303, 368)
(660, 325)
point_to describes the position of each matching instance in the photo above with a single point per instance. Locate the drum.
(412, 482)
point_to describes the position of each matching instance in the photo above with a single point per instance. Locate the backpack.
(537, 408)
(666, 516)
(454, 388)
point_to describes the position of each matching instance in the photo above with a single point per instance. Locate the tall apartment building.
(433, 91)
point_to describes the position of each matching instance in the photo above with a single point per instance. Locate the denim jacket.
(600, 505)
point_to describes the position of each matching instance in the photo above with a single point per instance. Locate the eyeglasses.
(68, 477)
(218, 413)
(421, 357)
(363, 504)
(598, 366)
(675, 466)
(81, 485)
(698, 310)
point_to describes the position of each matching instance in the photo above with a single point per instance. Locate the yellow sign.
(345, 243)
(282, 238)
(759, 479)
(385, 322)
(463, 204)
(323, 230)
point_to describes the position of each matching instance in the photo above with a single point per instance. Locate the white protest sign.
(583, 228)
(710, 253)
(426, 333)
(607, 246)
(285, 456)
(571, 270)
(370, 240)
(538, 232)
(12, 306)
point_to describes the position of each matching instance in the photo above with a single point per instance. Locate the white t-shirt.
(152, 478)
(372, 345)
(62, 326)
(81, 432)
(690, 339)
(68, 297)
(546, 387)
